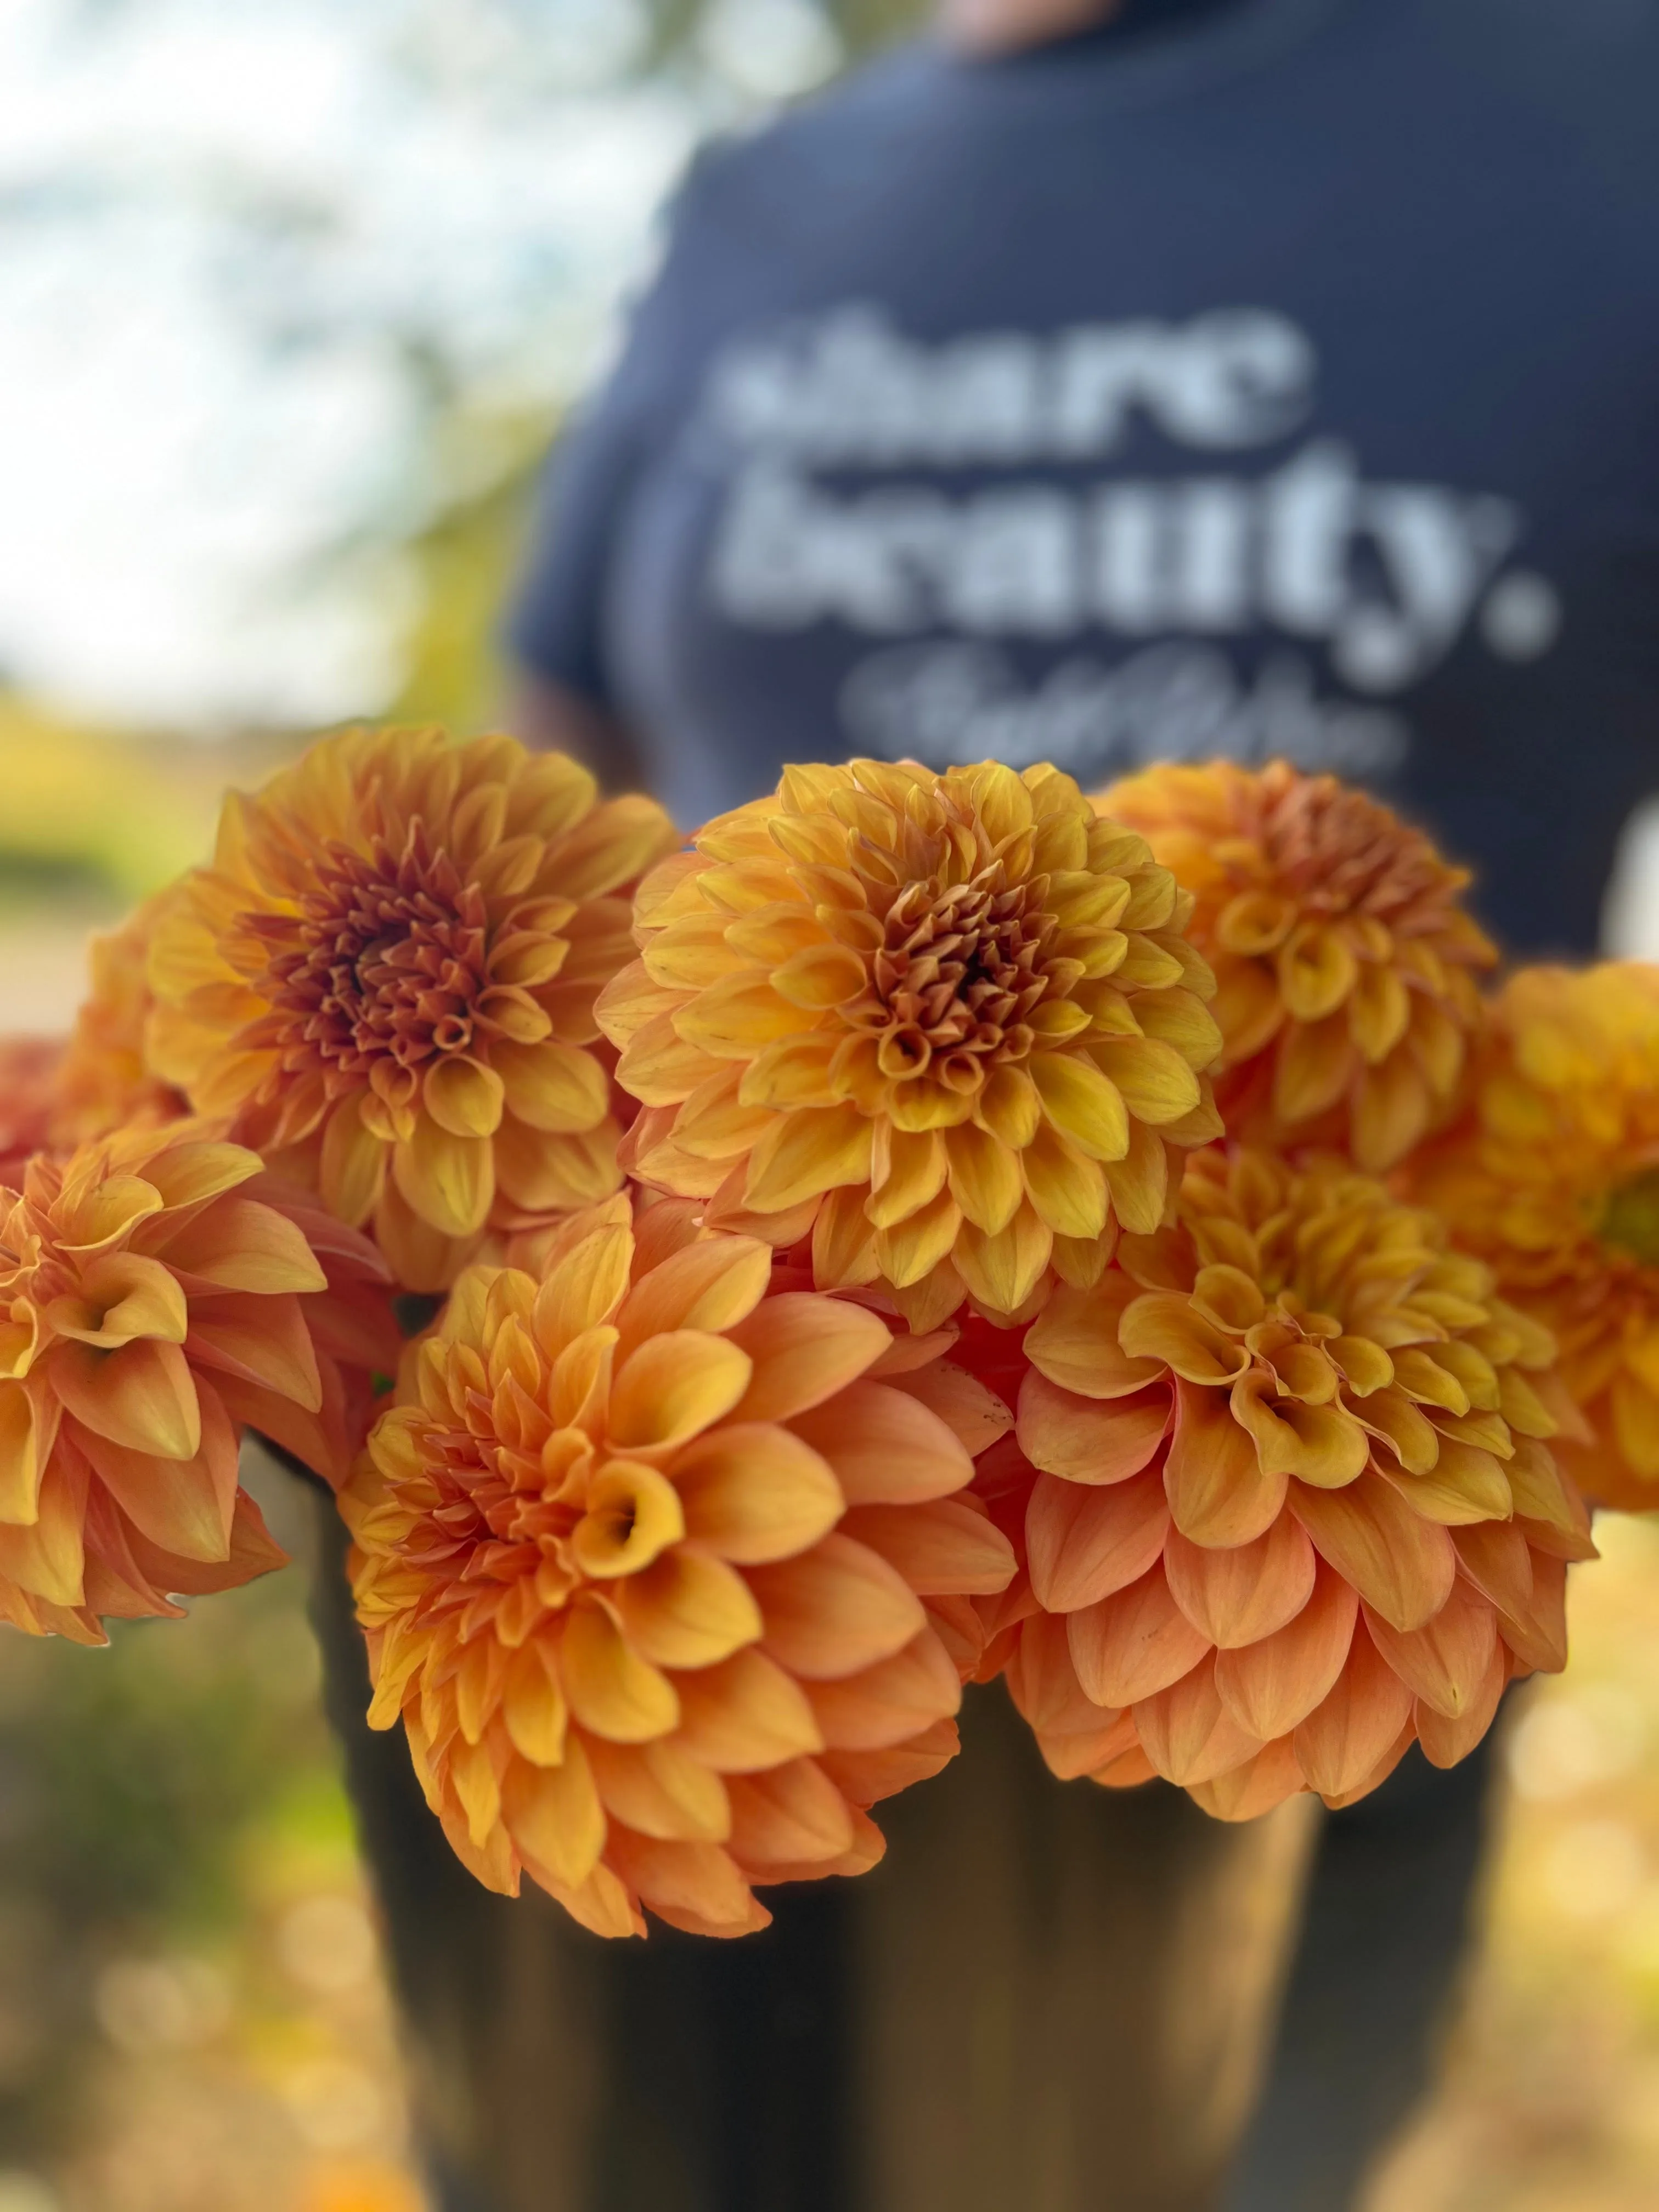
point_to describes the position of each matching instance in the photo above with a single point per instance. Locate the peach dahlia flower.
(387, 977)
(104, 1080)
(665, 1572)
(1346, 965)
(158, 1292)
(1554, 1180)
(1293, 1505)
(949, 1023)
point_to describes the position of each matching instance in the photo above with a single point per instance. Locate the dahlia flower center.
(949, 991)
(386, 959)
(1630, 1218)
(1339, 853)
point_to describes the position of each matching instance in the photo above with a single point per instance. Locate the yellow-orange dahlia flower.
(1293, 1506)
(104, 1080)
(1346, 965)
(667, 1571)
(158, 1292)
(949, 1023)
(390, 968)
(1552, 1178)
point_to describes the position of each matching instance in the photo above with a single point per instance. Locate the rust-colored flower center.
(386, 959)
(1338, 851)
(957, 973)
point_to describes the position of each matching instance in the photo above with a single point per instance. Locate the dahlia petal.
(690, 1610)
(1496, 1558)
(692, 953)
(1162, 1326)
(462, 1096)
(805, 1349)
(819, 976)
(1445, 1741)
(1317, 970)
(352, 1165)
(1189, 1733)
(885, 1446)
(554, 1815)
(581, 1380)
(1391, 1112)
(1379, 1011)
(843, 1242)
(1066, 1187)
(1220, 1493)
(1152, 1079)
(1001, 1272)
(21, 1457)
(674, 1387)
(421, 1258)
(745, 1713)
(238, 1244)
(1390, 1414)
(806, 1153)
(1354, 1728)
(974, 1415)
(732, 1020)
(584, 1290)
(110, 1210)
(1246, 1007)
(143, 1396)
(1323, 1445)
(1444, 1662)
(712, 1124)
(1091, 1441)
(1271, 1685)
(985, 1178)
(253, 1551)
(549, 1086)
(659, 1789)
(1074, 1342)
(633, 1516)
(1538, 1635)
(266, 1342)
(836, 1609)
(658, 1065)
(925, 1306)
(910, 1252)
(1181, 1018)
(1314, 1068)
(613, 1691)
(1008, 1107)
(1246, 1792)
(46, 1559)
(1401, 1566)
(1082, 1102)
(943, 1547)
(1083, 1544)
(696, 1887)
(1133, 1643)
(1466, 1484)
(793, 1072)
(791, 1815)
(448, 1180)
(913, 1107)
(1541, 1493)
(891, 1702)
(754, 1491)
(1238, 1596)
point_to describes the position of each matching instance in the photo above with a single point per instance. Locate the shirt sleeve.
(555, 618)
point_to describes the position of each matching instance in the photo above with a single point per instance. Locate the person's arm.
(550, 718)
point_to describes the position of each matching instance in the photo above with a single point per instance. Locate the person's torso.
(1288, 388)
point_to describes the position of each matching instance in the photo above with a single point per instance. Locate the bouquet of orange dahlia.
(923, 1228)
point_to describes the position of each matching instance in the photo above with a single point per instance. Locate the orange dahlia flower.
(666, 1575)
(1346, 966)
(1292, 1505)
(104, 1080)
(1552, 1178)
(949, 1023)
(387, 976)
(159, 1292)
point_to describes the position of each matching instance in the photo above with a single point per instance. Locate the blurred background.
(291, 301)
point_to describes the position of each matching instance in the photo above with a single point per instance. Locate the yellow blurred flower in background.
(667, 1578)
(1553, 1178)
(157, 1292)
(387, 976)
(1294, 1509)
(1346, 965)
(949, 1023)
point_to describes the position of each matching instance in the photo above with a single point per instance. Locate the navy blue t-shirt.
(1281, 380)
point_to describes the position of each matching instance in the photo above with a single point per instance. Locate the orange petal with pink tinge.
(1083, 1544)
(837, 1608)
(885, 1446)
(752, 1491)
(805, 1348)
(888, 1703)
(745, 1713)
(945, 1547)
(712, 1285)
(695, 1886)
(264, 1340)
(864, 1778)
(1401, 1566)
(1268, 1687)
(688, 1610)
(1247, 1792)
(142, 1396)
(1343, 1739)
(1445, 1661)
(1445, 1741)
(974, 1415)
(674, 1387)
(1188, 1732)
(791, 1816)
(1074, 1341)
(1219, 1492)
(1089, 1440)
(1133, 1643)
(659, 1789)
(1239, 1595)
(1496, 1558)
